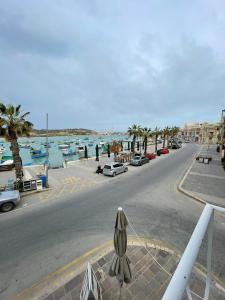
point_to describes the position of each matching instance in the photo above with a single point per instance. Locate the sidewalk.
(149, 279)
(206, 181)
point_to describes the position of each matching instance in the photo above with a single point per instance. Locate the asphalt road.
(37, 240)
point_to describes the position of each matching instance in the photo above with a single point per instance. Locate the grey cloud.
(83, 64)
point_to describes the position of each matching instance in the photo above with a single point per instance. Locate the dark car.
(139, 160)
(175, 146)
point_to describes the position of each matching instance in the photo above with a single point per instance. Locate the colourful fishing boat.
(37, 153)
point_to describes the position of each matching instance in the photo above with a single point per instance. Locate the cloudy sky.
(108, 64)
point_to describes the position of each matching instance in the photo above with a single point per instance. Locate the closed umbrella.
(121, 145)
(132, 146)
(138, 145)
(85, 152)
(108, 150)
(120, 266)
(97, 153)
(128, 146)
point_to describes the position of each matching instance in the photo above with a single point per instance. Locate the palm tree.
(133, 131)
(146, 133)
(157, 132)
(172, 132)
(175, 131)
(139, 136)
(166, 132)
(13, 125)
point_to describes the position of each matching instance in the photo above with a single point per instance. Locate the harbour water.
(56, 157)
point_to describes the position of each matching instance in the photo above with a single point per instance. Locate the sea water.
(56, 157)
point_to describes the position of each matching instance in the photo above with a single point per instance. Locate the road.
(37, 240)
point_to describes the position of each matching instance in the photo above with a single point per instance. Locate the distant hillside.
(70, 131)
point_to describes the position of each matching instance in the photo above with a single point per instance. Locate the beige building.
(222, 129)
(200, 132)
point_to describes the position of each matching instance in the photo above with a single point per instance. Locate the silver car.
(114, 168)
(8, 200)
(139, 160)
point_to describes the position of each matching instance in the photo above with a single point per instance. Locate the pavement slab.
(147, 283)
(207, 181)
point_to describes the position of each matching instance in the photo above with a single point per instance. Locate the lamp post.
(47, 150)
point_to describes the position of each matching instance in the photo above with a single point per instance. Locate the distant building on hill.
(204, 133)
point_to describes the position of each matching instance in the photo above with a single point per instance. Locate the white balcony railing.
(180, 280)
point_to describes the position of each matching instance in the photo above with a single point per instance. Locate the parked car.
(150, 155)
(175, 146)
(164, 151)
(114, 168)
(8, 200)
(139, 160)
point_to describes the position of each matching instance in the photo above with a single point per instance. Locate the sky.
(106, 65)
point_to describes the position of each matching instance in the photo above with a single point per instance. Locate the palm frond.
(17, 110)
(2, 108)
(24, 115)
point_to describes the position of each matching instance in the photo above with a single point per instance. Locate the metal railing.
(180, 280)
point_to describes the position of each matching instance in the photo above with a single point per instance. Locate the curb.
(35, 192)
(185, 192)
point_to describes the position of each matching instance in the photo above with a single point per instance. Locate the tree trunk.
(134, 142)
(164, 140)
(146, 143)
(156, 137)
(16, 158)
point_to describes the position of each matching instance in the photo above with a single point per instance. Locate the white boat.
(63, 146)
(80, 148)
(81, 151)
(2, 149)
(101, 144)
(68, 152)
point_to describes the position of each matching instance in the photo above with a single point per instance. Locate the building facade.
(204, 133)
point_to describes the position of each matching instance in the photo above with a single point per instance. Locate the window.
(107, 167)
(116, 166)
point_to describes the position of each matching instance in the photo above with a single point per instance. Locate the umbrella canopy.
(120, 266)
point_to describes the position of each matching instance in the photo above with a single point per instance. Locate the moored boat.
(25, 146)
(68, 152)
(2, 149)
(37, 153)
(63, 146)
(81, 151)
(7, 165)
